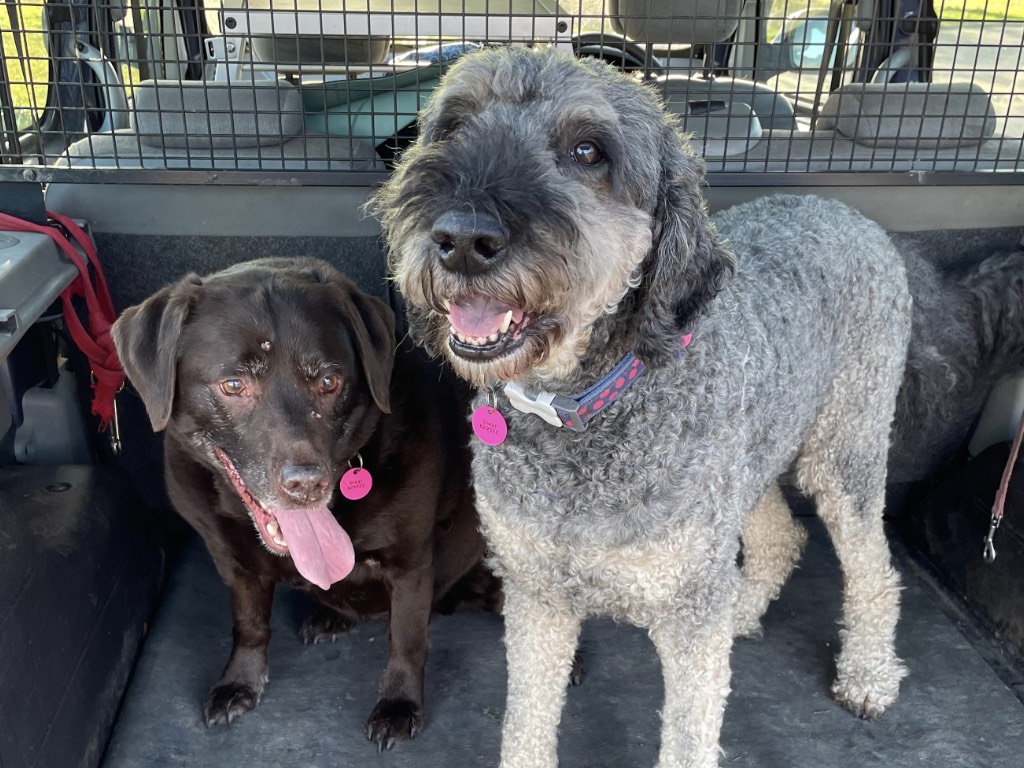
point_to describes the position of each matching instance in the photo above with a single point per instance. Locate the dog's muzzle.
(467, 242)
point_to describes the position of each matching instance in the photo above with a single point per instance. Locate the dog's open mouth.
(483, 327)
(319, 547)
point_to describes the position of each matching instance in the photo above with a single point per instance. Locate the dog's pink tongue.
(480, 315)
(320, 548)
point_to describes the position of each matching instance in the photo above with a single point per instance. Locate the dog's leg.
(240, 687)
(868, 672)
(541, 635)
(398, 714)
(772, 544)
(694, 653)
(843, 465)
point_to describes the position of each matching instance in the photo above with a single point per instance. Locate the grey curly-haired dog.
(549, 233)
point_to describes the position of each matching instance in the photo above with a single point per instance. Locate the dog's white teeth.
(272, 529)
(446, 305)
(280, 542)
(506, 322)
(476, 341)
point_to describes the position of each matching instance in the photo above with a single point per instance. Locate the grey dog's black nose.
(304, 482)
(468, 242)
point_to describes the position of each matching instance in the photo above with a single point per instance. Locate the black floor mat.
(954, 711)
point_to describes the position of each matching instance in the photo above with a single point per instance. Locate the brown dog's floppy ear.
(146, 336)
(373, 327)
(687, 264)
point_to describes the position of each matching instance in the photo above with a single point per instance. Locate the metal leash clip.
(990, 547)
(114, 430)
(114, 425)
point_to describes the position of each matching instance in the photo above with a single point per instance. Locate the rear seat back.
(910, 115)
(241, 125)
(725, 116)
(192, 114)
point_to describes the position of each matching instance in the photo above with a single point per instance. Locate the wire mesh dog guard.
(763, 86)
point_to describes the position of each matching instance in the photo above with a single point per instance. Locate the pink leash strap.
(998, 508)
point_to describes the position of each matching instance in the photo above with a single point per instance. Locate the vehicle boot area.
(959, 706)
(191, 137)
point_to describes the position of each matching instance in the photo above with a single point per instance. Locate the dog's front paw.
(867, 690)
(324, 626)
(748, 630)
(226, 702)
(394, 720)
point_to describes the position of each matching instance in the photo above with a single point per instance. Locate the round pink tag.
(356, 483)
(489, 425)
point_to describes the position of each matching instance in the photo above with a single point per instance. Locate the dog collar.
(577, 411)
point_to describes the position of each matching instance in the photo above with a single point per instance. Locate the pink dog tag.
(356, 483)
(489, 425)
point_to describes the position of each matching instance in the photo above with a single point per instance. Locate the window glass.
(28, 72)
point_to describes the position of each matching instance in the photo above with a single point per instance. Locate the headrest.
(675, 22)
(290, 51)
(196, 114)
(910, 115)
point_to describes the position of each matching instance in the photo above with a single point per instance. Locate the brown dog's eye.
(232, 387)
(587, 153)
(330, 383)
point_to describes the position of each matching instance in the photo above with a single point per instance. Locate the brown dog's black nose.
(468, 242)
(304, 482)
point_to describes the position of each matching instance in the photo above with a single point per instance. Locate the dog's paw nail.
(757, 633)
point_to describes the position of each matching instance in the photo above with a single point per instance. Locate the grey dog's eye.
(232, 387)
(587, 153)
(453, 130)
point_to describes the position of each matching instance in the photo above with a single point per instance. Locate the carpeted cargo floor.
(955, 711)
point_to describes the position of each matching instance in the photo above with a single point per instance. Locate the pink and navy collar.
(576, 411)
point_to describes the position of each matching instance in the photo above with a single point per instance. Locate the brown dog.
(271, 379)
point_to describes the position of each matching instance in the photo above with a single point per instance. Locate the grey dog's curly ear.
(688, 264)
(146, 336)
(372, 324)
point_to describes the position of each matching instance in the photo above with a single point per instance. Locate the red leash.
(94, 341)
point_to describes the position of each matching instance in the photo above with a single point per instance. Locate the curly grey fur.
(801, 317)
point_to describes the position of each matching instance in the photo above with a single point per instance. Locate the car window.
(26, 64)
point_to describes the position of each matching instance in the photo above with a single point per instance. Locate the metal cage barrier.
(239, 89)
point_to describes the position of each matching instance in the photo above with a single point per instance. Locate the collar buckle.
(556, 410)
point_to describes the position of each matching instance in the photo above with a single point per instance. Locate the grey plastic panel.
(32, 275)
(139, 209)
(142, 209)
